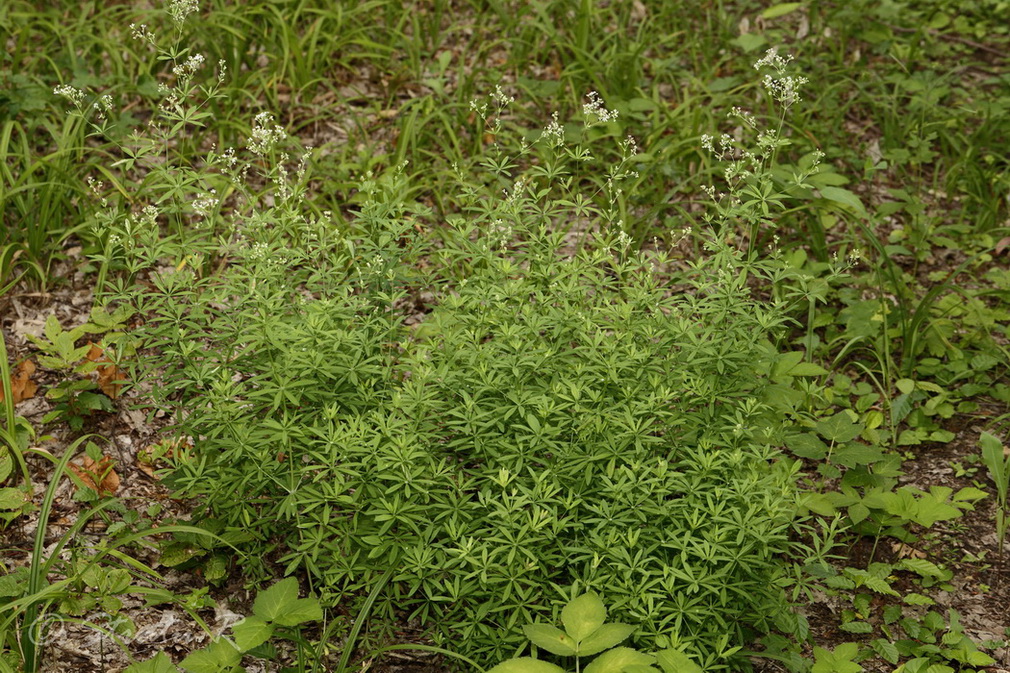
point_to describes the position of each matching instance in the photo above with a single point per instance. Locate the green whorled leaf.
(550, 638)
(604, 638)
(221, 655)
(674, 661)
(839, 428)
(583, 615)
(159, 663)
(614, 661)
(857, 627)
(639, 668)
(251, 632)
(526, 665)
(274, 601)
(301, 611)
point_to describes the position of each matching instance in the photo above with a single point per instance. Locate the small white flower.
(180, 9)
(596, 108)
(264, 137)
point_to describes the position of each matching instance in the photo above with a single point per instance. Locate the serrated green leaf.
(583, 615)
(614, 661)
(526, 665)
(886, 650)
(251, 632)
(604, 638)
(12, 498)
(550, 638)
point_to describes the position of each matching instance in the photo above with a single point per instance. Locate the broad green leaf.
(675, 661)
(807, 369)
(273, 602)
(844, 197)
(886, 649)
(780, 9)
(159, 663)
(550, 638)
(839, 428)
(838, 661)
(6, 463)
(301, 611)
(604, 638)
(614, 661)
(526, 665)
(12, 498)
(251, 632)
(583, 615)
(905, 385)
(219, 656)
(922, 567)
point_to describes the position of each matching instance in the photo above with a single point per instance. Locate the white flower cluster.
(596, 108)
(265, 134)
(180, 9)
(71, 93)
(783, 88)
(143, 34)
(553, 133)
(772, 59)
(189, 67)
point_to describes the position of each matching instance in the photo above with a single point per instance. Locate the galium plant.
(560, 416)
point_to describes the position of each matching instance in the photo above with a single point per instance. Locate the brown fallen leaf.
(904, 551)
(22, 386)
(97, 475)
(110, 377)
(1002, 245)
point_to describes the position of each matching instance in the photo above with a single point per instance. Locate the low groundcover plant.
(568, 413)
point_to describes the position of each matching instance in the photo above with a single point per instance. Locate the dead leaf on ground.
(904, 551)
(97, 475)
(1002, 245)
(22, 386)
(110, 377)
